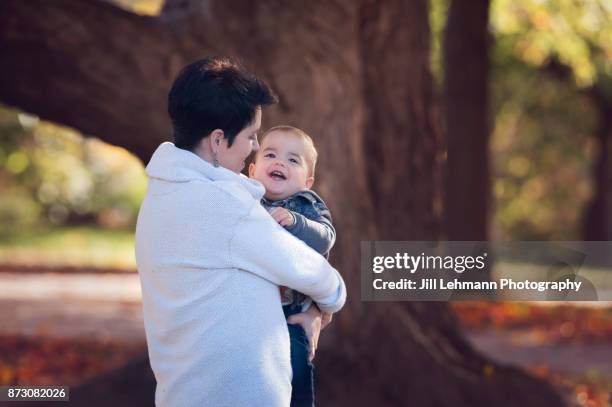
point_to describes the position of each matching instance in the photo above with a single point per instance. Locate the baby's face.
(281, 165)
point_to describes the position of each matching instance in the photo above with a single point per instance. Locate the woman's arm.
(261, 246)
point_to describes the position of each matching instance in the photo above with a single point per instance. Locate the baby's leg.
(302, 383)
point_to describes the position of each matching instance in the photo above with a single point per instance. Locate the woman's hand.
(326, 318)
(310, 320)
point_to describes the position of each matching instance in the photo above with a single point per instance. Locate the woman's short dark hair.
(214, 93)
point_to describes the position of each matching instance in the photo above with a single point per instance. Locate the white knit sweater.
(210, 260)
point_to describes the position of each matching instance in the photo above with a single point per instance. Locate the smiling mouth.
(277, 175)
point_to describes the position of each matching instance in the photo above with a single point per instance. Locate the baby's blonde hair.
(312, 154)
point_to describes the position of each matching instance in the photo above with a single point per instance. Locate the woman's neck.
(202, 150)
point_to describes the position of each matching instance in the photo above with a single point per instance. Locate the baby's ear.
(309, 182)
(252, 170)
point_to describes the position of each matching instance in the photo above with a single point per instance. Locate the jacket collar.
(306, 194)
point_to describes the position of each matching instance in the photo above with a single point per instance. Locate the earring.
(215, 161)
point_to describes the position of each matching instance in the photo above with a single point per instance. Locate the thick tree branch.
(89, 65)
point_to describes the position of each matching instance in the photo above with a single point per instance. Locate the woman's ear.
(309, 182)
(216, 137)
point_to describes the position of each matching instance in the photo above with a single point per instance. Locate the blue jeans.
(302, 393)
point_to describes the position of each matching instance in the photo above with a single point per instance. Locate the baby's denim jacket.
(313, 225)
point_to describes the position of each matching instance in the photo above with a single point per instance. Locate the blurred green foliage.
(543, 141)
(69, 246)
(543, 145)
(542, 151)
(576, 32)
(51, 175)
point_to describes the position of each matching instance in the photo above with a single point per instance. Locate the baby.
(285, 165)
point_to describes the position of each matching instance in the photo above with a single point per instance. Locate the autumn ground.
(63, 325)
(569, 344)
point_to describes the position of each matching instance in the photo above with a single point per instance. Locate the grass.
(69, 247)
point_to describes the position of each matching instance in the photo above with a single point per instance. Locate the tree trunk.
(355, 78)
(466, 112)
(597, 217)
(598, 213)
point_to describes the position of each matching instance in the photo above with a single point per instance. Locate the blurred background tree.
(551, 99)
(550, 118)
(52, 176)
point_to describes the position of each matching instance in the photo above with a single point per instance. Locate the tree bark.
(598, 214)
(355, 76)
(466, 112)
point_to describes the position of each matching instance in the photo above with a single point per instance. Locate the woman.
(210, 258)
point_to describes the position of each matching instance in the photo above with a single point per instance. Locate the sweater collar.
(172, 164)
